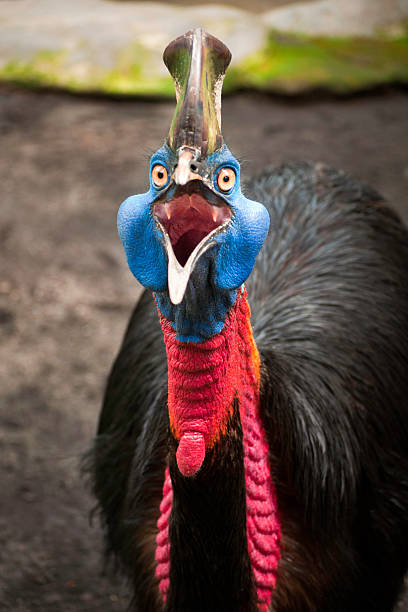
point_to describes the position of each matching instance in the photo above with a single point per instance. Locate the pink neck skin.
(203, 380)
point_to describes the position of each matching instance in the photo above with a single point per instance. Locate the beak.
(189, 222)
(186, 169)
(189, 215)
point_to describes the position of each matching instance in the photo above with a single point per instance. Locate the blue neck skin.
(204, 308)
(219, 272)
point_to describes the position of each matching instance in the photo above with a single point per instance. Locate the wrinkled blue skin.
(213, 285)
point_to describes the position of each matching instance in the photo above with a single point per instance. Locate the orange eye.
(160, 175)
(226, 179)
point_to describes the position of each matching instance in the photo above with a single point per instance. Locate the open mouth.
(189, 215)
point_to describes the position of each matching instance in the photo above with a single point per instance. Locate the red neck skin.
(203, 379)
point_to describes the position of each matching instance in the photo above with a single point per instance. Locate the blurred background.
(84, 101)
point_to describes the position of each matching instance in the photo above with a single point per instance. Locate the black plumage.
(329, 301)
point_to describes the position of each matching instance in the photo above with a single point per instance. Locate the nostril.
(193, 168)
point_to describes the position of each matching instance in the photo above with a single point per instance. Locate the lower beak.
(178, 275)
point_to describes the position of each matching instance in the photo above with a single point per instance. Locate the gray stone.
(338, 18)
(93, 35)
(117, 46)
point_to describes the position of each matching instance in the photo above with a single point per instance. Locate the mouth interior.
(188, 218)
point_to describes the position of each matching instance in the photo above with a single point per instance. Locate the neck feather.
(206, 381)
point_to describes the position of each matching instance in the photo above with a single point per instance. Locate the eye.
(226, 179)
(160, 176)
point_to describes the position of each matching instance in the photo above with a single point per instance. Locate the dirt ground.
(65, 295)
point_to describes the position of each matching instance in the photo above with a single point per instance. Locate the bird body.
(252, 449)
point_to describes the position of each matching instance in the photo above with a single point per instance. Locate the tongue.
(190, 453)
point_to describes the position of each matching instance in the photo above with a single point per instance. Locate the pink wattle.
(190, 453)
(263, 526)
(203, 380)
(162, 555)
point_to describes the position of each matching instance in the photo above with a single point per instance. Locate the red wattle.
(190, 453)
(202, 380)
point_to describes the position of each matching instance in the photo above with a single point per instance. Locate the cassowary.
(251, 464)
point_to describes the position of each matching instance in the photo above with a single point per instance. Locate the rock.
(333, 18)
(116, 47)
(95, 44)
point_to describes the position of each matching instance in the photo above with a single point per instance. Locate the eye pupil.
(160, 174)
(225, 178)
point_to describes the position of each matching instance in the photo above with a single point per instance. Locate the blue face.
(220, 270)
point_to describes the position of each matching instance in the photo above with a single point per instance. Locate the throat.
(202, 313)
(212, 385)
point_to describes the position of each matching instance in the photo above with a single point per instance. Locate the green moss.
(288, 63)
(53, 69)
(127, 84)
(134, 74)
(42, 69)
(294, 63)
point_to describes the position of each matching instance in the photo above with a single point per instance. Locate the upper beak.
(186, 169)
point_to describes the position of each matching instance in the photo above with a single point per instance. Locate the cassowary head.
(193, 238)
